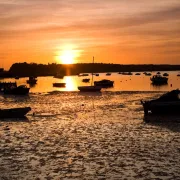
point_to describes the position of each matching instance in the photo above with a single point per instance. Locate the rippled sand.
(76, 136)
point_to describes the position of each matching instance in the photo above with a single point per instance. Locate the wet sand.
(76, 136)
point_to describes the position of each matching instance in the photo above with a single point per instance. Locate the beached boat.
(91, 88)
(158, 79)
(14, 112)
(104, 83)
(59, 84)
(31, 80)
(168, 103)
(19, 90)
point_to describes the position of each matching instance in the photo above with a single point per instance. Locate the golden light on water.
(71, 83)
(67, 55)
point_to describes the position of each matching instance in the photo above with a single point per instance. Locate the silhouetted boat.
(59, 84)
(4, 85)
(108, 74)
(84, 74)
(31, 80)
(137, 74)
(14, 112)
(178, 75)
(86, 80)
(20, 90)
(90, 88)
(165, 74)
(104, 83)
(158, 79)
(168, 103)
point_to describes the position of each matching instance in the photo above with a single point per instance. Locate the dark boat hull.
(172, 107)
(59, 84)
(14, 112)
(17, 91)
(89, 88)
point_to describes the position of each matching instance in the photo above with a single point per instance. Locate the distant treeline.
(33, 69)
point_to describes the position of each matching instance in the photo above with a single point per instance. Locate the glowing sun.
(66, 56)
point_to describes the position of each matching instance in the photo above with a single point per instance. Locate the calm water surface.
(70, 135)
(121, 82)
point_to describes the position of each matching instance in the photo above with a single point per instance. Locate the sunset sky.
(72, 31)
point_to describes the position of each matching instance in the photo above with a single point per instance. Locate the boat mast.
(92, 73)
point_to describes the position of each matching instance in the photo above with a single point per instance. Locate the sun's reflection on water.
(71, 83)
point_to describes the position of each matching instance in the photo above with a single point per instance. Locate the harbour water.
(72, 135)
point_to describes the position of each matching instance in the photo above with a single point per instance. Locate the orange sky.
(114, 31)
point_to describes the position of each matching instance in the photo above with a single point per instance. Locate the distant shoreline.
(33, 69)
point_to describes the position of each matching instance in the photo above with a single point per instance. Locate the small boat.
(148, 74)
(19, 90)
(14, 112)
(104, 83)
(31, 80)
(59, 84)
(108, 74)
(4, 85)
(84, 74)
(90, 88)
(158, 80)
(86, 80)
(165, 74)
(158, 73)
(168, 103)
(178, 75)
(137, 74)
(96, 74)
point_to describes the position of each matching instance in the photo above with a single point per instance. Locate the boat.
(168, 103)
(178, 75)
(16, 90)
(14, 112)
(137, 74)
(165, 74)
(158, 73)
(108, 74)
(17, 77)
(148, 74)
(84, 74)
(91, 88)
(59, 84)
(32, 80)
(86, 80)
(158, 80)
(104, 83)
(4, 85)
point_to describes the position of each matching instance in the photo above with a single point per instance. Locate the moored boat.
(168, 103)
(89, 88)
(104, 83)
(158, 79)
(14, 112)
(86, 80)
(165, 74)
(19, 90)
(31, 80)
(59, 84)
